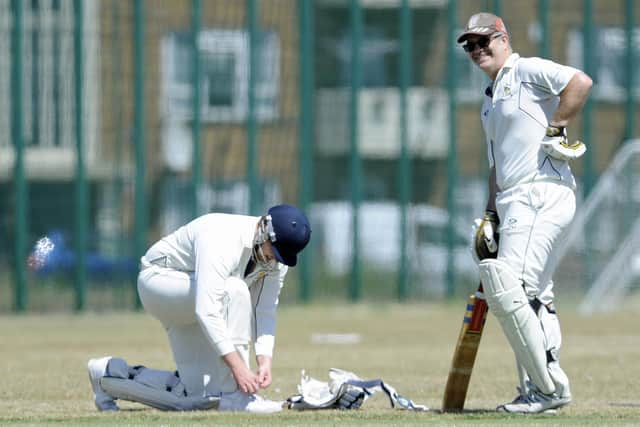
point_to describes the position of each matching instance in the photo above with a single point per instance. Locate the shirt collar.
(508, 64)
(511, 60)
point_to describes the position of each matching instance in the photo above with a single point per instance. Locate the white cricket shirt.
(515, 114)
(215, 247)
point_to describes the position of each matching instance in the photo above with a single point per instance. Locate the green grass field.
(44, 378)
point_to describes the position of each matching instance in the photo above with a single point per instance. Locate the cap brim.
(286, 259)
(466, 34)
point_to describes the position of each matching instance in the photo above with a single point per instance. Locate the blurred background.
(120, 121)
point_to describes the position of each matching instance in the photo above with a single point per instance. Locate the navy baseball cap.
(292, 231)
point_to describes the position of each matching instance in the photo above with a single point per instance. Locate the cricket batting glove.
(345, 390)
(485, 236)
(556, 144)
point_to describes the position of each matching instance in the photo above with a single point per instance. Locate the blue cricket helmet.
(292, 233)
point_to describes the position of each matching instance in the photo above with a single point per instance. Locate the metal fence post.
(196, 159)
(305, 169)
(355, 285)
(629, 22)
(587, 116)
(252, 167)
(452, 160)
(20, 183)
(81, 189)
(497, 7)
(140, 238)
(587, 110)
(543, 18)
(404, 166)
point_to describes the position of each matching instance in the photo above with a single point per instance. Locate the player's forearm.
(572, 99)
(247, 381)
(264, 361)
(265, 315)
(234, 361)
(264, 371)
(493, 190)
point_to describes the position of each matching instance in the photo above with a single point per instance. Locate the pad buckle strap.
(536, 304)
(172, 381)
(134, 371)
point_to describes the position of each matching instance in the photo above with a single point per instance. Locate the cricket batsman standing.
(214, 285)
(525, 113)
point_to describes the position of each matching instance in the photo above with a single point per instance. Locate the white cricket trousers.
(533, 218)
(169, 296)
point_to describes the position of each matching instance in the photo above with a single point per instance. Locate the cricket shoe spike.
(98, 369)
(239, 401)
(535, 402)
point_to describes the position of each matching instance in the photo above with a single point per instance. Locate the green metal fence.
(124, 120)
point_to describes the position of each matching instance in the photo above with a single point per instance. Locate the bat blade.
(465, 353)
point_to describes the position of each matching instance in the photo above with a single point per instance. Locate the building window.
(224, 58)
(609, 61)
(49, 84)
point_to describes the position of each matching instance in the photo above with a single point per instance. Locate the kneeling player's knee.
(118, 368)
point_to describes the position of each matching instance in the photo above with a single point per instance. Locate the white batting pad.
(551, 328)
(159, 389)
(133, 391)
(509, 303)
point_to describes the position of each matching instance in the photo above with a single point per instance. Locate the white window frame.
(47, 160)
(176, 95)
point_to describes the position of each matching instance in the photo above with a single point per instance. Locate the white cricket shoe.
(241, 401)
(98, 369)
(535, 402)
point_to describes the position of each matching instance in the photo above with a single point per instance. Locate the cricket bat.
(465, 353)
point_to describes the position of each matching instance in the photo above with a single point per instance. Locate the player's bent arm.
(212, 268)
(572, 99)
(247, 380)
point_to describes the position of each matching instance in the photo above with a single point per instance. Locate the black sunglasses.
(482, 42)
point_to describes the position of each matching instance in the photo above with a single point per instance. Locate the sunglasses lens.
(481, 43)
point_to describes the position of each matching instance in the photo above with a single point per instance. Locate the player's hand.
(556, 144)
(247, 380)
(485, 236)
(264, 371)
